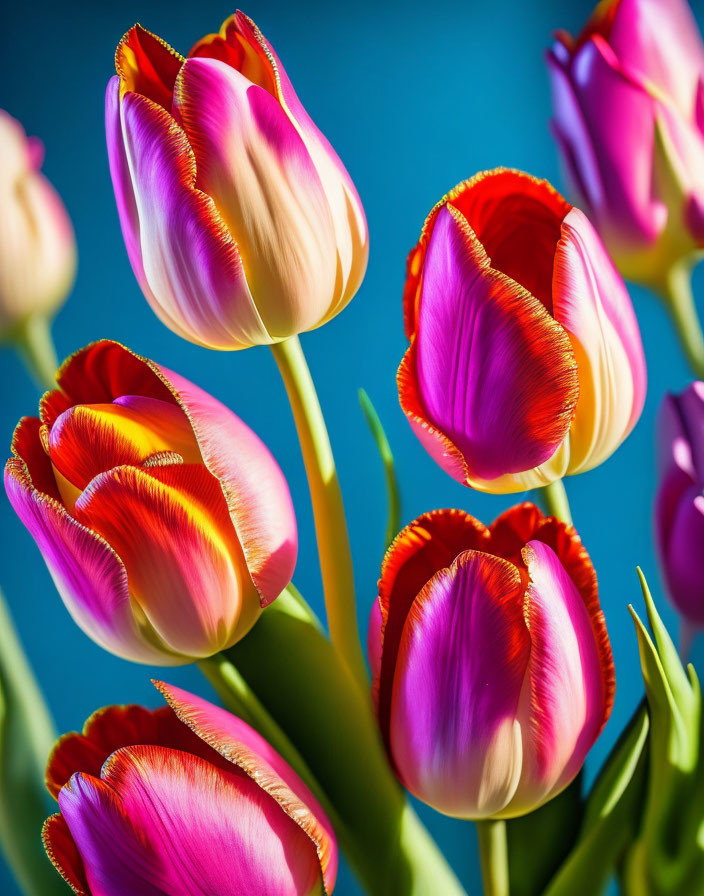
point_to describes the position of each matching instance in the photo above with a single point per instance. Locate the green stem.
(328, 510)
(393, 492)
(493, 856)
(36, 348)
(26, 737)
(676, 292)
(555, 502)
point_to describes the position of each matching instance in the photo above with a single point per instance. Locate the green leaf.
(667, 858)
(393, 492)
(26, 737)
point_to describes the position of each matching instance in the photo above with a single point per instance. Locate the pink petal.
(256, 492)
(88, 574)
(253, 163)
(162, 821)
(191, 264)
(591, 302)
(185, 571)
(495, 373)
(564, 705)
(246, 749)
(454, 736)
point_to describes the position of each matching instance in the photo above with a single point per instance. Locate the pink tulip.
(525, 361)
(182, 800)
(37, 245)
(164, 521)
(679, 505)
(629, 119)
(241, 223)
(493, 673)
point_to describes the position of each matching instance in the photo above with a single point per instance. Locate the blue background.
(415, 98)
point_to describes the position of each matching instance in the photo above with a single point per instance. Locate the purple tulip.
(679, 505)
(629, 119)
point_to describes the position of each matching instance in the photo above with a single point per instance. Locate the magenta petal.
(191, 264)
(564, 708)
(605, 95)
(457, 685)
(163, 821)
(122, 181)
(88, 574)
(495, 372)
(256, 492)
(237, 742)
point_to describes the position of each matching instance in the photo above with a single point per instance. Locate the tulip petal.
(243, 47)
(564, 705)
(480, 334)
(112, 728)
(147, 65)
(253, 163)
(88, 439)
(191, 264)
(63, 854)
(88, 574)
(511, 531)
(122, 184)
(162, 821)
(256, 492)
(457, 685)
(245, 748)
(682, 556)
(429, 544)
(604, 94)
(659, 41)
(592, 304)
(171, 527)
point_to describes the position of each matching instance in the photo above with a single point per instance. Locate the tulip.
(183, 799)
(241, 223)
(37, 247)
(627, 102)
(164, 521)
(679, 504)
(525, 361)
(493, 674)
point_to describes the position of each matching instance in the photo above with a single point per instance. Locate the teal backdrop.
(415, 98)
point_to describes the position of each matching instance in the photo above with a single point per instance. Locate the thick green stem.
(328, 510)
(237, 696)
(493, 856)
(26, 737)
(36, 348)
(555, 502)
(676, 291)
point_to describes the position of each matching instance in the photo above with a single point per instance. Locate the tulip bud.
(164, 521)
(241, 223)
(181, 797)
(493, 673)
(525, 362)
(679, 504)
(37, 245)
(627, 103)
